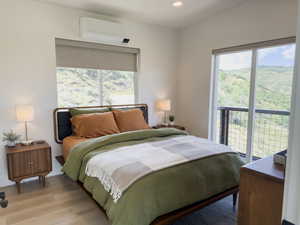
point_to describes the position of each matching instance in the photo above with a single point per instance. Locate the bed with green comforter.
(157, 193)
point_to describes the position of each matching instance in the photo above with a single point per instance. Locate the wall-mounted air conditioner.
(103, 31)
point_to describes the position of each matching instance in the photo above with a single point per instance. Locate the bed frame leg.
(234, 199)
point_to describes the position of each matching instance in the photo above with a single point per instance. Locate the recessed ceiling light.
(177, 4)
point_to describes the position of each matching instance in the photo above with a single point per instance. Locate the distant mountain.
(273, 87)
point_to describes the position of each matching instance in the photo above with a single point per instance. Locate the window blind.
(79, 54)
(262, 44)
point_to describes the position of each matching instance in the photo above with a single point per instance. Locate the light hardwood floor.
(63, 202)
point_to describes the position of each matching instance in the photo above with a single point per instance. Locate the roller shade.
(78, 54)
(262, 44)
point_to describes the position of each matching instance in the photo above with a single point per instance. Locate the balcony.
(270, 130)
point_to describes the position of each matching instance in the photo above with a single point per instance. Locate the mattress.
(69, 143)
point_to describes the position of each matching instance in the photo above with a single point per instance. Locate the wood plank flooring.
(63, 202)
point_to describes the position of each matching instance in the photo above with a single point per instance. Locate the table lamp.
(25, 114)
(165, 106)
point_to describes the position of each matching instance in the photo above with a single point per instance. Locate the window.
(90, 74)
(252, 96)
(90, 87)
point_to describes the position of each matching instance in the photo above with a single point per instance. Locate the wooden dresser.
(261, 193)
(29, 161)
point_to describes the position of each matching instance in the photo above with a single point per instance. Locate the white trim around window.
(254, 47)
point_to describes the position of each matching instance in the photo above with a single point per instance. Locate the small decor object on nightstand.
(11, 138)
(29, 161)
(172, 119)
(25, 114)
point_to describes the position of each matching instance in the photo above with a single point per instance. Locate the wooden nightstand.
(165, 126)
(29, 161)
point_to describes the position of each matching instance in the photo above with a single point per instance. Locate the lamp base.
(28, 142)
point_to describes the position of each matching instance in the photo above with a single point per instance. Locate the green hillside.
(273, 88)
(273, 92)
(86, 87)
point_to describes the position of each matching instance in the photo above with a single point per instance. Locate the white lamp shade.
(24, 113)
(163, 105)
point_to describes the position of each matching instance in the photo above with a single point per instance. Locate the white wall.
(292, 182)
(27, 64)
(252, 21)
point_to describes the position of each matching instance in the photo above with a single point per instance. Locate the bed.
(160, 196)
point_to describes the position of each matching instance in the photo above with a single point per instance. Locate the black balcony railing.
(270, 131)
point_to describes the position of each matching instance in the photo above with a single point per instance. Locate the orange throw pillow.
(130, 120)
(94, 125)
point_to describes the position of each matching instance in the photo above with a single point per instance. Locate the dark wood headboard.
(62, 116)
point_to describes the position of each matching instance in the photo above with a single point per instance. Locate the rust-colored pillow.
(94, 125)
(130, 120)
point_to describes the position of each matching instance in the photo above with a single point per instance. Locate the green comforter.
(160, 192)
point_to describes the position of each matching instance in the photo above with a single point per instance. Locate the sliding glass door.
(234, 77)
(251, 98)
(274, 76)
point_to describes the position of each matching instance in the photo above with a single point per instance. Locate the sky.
(274, 56)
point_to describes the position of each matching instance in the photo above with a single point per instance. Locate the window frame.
(253, 47)
(135, 87)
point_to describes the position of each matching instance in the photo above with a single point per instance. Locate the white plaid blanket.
(119, 168)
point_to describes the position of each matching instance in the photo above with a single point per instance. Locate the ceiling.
(159, 12)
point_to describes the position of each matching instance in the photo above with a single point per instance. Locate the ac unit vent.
(103, 31)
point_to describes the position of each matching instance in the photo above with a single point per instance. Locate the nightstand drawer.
(41, 161)
(19, 165)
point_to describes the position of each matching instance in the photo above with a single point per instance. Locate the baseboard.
(284, 222)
